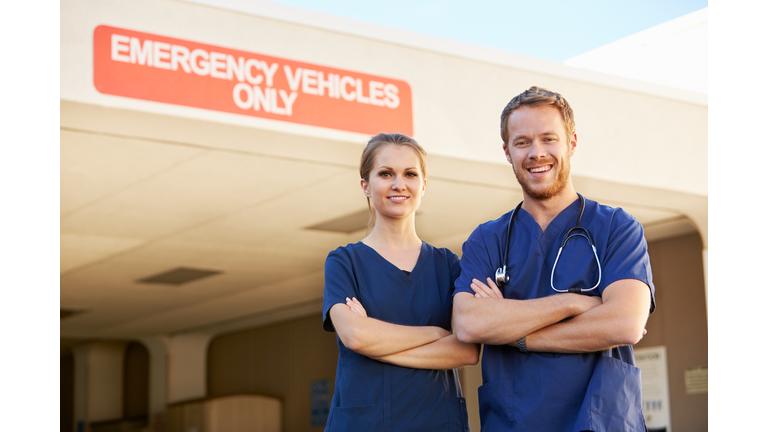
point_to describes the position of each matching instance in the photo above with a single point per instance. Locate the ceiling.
(142, 194)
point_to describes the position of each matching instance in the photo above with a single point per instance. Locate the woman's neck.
(393, 235)
(396, 241)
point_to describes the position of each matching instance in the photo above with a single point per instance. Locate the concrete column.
(187, 360)
(98, 383)
(158, 381)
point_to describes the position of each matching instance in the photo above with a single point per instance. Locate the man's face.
(539, 150)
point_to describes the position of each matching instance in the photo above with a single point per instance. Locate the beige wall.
(680, 323)
(280, 360)
(457, 94)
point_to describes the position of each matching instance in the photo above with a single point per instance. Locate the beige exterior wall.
(456, 99)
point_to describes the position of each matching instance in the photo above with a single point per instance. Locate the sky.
(553, 30)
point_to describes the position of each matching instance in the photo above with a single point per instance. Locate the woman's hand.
(486, 291)
(357, 307)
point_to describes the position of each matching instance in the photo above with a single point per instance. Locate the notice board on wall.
(652, 363)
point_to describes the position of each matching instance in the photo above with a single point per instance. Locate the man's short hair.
(535, 96)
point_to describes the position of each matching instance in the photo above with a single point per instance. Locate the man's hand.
(486, 291)
(583, 302)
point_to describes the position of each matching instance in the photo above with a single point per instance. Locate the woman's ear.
(364, 185)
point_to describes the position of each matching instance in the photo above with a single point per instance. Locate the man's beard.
(553, 190)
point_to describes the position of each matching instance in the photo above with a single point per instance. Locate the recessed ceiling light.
(178, 276)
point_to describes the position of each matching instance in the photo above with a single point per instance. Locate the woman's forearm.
(373, 338)
(445, 353)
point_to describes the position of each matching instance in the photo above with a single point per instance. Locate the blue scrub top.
(548, 391)
(370, 395)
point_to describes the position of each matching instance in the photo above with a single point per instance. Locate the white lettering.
(360, 97)
(375, 91)
(308, 80)
(345, 81)
(269, 72)
(336, 86)
(180, 56)
(288, 101)
(235, 68)
(262, 99)
(392, 100)
(275, 109)
(293, 79)
(253, 79)
(218, 65)
(141, 54)
(202, 67)
(238, 91)
(120, 46)
(322, 84)
(162, 55)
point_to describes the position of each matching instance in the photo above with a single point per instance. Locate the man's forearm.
(501, 321)
(620, 320)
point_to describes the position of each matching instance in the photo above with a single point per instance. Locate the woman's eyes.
(408, 174)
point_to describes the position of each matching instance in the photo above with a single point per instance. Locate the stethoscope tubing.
(502, 276)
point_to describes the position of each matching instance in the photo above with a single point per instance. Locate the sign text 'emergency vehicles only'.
(162, 69)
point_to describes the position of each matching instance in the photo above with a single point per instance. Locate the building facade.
(209, 159)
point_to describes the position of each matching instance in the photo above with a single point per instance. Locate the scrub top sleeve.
(340, 283)
(626, 257)
(454, 264)
(476, 262)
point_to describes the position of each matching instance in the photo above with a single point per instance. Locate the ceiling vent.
(178, 276)
(345, 224)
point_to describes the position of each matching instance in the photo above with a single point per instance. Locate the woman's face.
(396, 183)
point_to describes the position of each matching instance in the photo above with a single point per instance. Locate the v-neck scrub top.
(373, 396)
(550, 391)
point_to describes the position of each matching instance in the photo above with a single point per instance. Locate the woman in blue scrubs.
(389, 300)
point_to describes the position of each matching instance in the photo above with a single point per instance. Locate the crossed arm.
(563, 323)
(425, 347)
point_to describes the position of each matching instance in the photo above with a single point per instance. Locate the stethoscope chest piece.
(502, 276)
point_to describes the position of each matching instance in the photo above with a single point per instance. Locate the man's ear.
(573, 143)
(506, 153)
(364, 185)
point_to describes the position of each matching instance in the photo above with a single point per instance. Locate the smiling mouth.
(540, 169)
(398, 198)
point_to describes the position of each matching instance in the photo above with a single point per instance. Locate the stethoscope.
(502, 275)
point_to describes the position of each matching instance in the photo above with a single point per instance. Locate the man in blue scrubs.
(554, 360)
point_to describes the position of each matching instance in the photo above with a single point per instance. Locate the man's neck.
(545, 211)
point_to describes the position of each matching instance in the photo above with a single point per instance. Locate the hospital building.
(209, 163)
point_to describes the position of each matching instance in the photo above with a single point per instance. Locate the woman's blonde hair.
(368, 159)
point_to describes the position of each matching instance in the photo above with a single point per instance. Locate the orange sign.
(162, 69)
